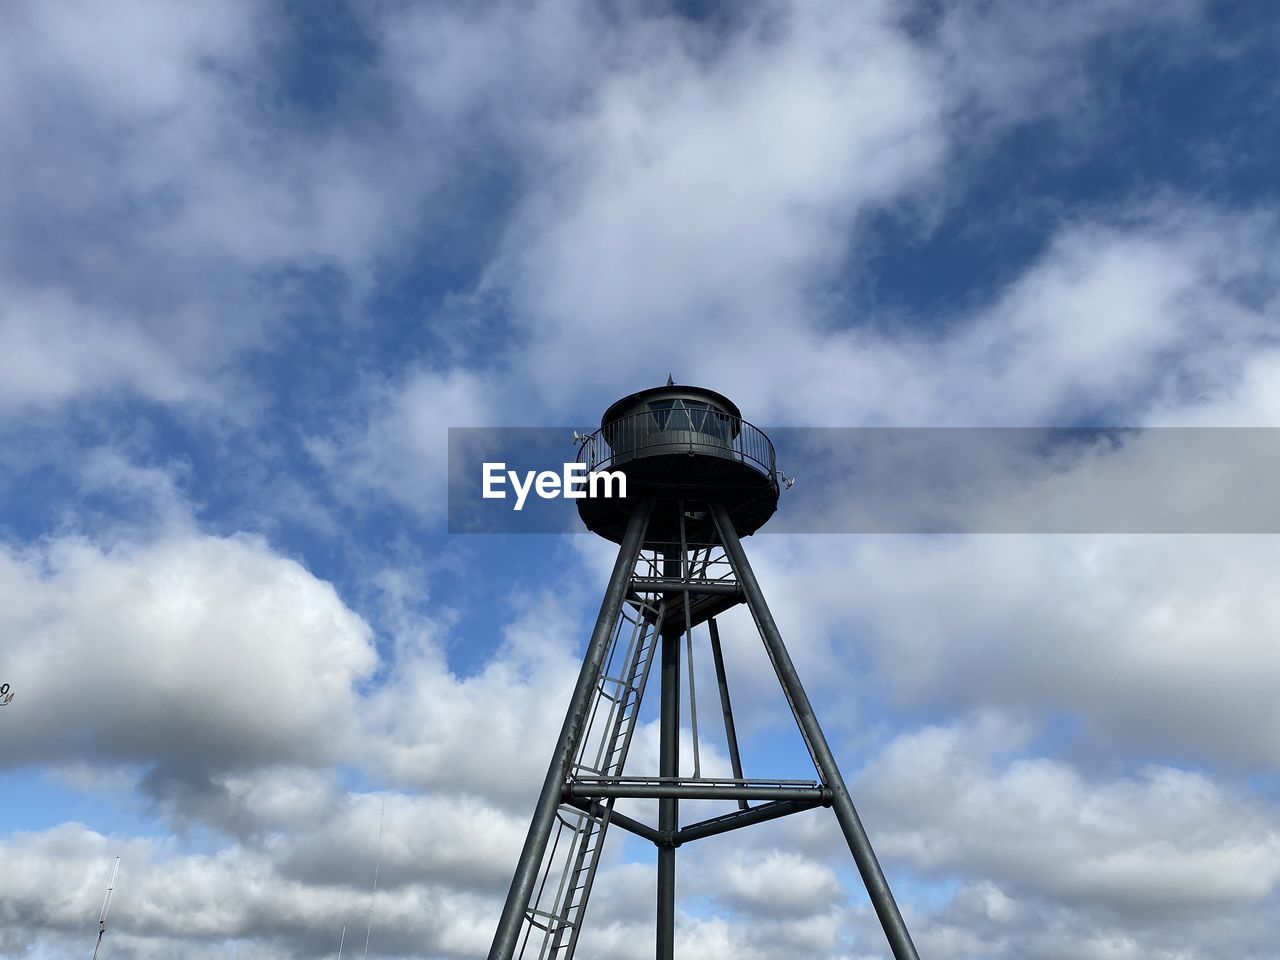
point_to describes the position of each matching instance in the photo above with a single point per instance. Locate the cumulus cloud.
(1148, 642)
(1010, 68)
(732, 182)
(92, 97)
(399, 449)
(717, 187)
(1112, 314)
(426, 720)
(1164, 840)
(193, 653)
(196, 906)
(774, 883)
(169, 207)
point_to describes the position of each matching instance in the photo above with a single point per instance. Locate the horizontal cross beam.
(672, 585)
(705, 828)
(692, 791)
(744, 818)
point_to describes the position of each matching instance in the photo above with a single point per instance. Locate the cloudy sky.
(256, 257)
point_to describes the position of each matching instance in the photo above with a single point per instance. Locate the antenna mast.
(106, 905)
(376, 867)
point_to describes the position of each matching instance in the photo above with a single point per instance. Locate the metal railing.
(698, 431)
(697, 562)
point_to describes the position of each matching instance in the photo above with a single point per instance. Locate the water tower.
(699, 478)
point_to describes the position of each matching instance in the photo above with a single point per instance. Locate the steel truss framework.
(658, 591)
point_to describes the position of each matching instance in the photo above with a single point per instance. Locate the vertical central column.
(668, 766)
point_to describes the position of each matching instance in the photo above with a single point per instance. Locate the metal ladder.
(602, 753)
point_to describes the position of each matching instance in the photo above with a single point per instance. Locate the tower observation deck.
(675, 443)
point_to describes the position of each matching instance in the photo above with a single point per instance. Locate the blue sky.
(257, 257)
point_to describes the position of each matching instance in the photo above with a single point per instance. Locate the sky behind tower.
(257, 256)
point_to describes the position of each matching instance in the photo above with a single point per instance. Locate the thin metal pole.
(693, 695)
(342, 941)
(746, 818)
(671, 585)
(106, 905)
(689, 790)
(686, 573)
(730, 733)
(895, 930)
(377, 865)
(668, 807)
(544, 814)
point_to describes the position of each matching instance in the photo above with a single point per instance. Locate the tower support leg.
(864, 856)
(669, 766)
(544, 815)
(668, 807)
(726, 708)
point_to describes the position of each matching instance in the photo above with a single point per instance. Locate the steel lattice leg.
(864, 856)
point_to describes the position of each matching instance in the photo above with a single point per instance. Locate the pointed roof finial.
(670, 382)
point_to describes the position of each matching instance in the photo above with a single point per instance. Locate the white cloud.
(192, 652)
(498, 71)
(52, 348)
(157, 190)
(1010, 67)
(426, 723)
(1111, 316)
(399, 447)
(773, 883)
(191, 906)
(688, 213)
(715, 188)
(1147, 642)
(137, 62)
(1164, 841)
(104, 111)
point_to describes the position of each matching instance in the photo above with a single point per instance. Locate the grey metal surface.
(639, 401)
(692, 791)
(672, 585)
(726, 706)
(746, 817)
(864, 856)
(668, 766)
(716, 435)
